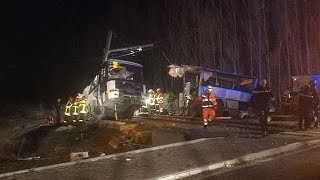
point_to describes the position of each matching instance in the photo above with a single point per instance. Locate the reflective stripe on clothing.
(68, 109)
(75, 109)
(206, 103)
(82, 107)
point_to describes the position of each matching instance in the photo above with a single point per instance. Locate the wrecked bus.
(233, 91)
(117, 91)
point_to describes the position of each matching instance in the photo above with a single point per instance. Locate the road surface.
(301, 165)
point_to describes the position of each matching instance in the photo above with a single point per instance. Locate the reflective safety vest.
(151, 99)
(159, 98)
(68, 109)
(208, 102)
(75, 109)
(82, 107)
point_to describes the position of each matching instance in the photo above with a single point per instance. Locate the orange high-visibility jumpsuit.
(208, 112)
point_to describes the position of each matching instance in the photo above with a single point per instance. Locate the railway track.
(276, 126)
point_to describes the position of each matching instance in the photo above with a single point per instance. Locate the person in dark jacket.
(262, 96)
(58, 110)
(308, 102)
(315, 102)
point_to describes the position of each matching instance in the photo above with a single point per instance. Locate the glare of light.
(147, 101)
(139, 49)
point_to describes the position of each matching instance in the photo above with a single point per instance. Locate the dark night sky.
(51, 47)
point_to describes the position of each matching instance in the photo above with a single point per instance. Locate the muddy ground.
(27, 141)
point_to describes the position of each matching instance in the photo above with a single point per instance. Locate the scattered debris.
(63, 128)
(114, 143)
(102, 154)
(29, 158)
(128, 159)
(128, 127)
(143, 137)
(76, 156)
(228, 165)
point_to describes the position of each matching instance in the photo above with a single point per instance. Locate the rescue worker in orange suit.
(159, 103)
(262, 97)
(208, 106)
(67, 113)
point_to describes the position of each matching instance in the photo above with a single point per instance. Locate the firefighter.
(262, 97)
(151, 101)
(75, 109)
(208, 106)
(159, 101)
(67, 113)
(148, 106)
(82, 108)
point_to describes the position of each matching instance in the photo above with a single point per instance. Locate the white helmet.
(210, 88)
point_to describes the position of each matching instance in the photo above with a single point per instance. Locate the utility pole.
(107, 47)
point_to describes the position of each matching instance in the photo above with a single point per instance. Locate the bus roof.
(230, 74)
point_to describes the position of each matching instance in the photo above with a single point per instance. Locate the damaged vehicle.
(117, 91)
(233, 91)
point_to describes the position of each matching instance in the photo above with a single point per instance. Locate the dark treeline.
(272, 39)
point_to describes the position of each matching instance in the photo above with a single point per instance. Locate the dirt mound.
(6, 150)
(44, 145)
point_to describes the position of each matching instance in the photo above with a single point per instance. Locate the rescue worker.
(308, 102)
(58, 110)
(262, 97)
(151, 101)
(159, 101)
(82, 109)
(209, 103)
(75, 109)
(315, 102)
(67, 113)
(148, 106)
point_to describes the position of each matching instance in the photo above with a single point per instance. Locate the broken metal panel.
(232, 89)
(302, 80)
(179, 71)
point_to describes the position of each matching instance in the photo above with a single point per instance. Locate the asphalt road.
(301, 165)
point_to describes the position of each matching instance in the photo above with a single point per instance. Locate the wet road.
(302, 165)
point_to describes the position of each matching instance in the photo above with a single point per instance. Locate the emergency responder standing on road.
(159, 101)
(58, 110)
(208, 106)
(262, 97)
